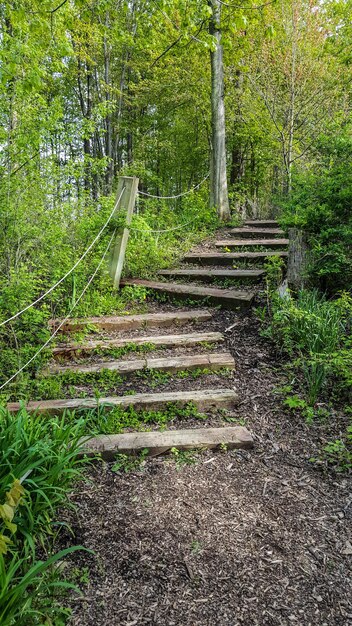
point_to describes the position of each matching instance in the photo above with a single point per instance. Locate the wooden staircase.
(252, 249)
(197, 347)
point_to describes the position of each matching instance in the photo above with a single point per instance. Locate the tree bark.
(218, 176)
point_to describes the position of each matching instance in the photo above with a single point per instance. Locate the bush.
(159, 235)
(320, 204)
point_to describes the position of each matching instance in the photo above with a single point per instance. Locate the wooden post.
(130, 186)
(298, 259)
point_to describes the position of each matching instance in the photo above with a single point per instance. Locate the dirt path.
(235, 539)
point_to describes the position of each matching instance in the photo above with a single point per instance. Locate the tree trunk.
(218, 176)
(291, 113)
(108, 122)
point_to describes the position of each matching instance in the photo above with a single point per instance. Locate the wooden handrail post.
(130, 186)
(298, 259)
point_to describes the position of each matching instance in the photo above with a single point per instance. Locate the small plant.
(109, 420)
(308, 411)
(183, 457)
(294, 402)
(337, 454)
(273, 277)
(196, 547)
(130, 463)
(80, 575)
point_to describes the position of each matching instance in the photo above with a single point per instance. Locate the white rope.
(65, 319)
(29, 306)
(185, 193)
(166, 230)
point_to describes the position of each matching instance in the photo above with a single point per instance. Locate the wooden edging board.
(160, 442)
(228, 258)
(132, 322)
(228, 298)
(188, 339)
(234, 243)
(212, 361)
(204, 400)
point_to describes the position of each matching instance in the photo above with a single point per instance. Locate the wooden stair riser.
(241, 243)
(226, 298)
(213, 362)
(261, 223)
(157, 442)
(230, 258)
(256, 233)
(205, 400)
(133, 322)
(210, 275)
(153, 340)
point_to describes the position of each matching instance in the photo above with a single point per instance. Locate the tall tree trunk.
(108, 121)
(218, 177)
(291, 111)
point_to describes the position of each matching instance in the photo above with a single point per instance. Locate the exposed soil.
(237, 538)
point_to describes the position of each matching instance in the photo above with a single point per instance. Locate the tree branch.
(174, 43)
(25, 163)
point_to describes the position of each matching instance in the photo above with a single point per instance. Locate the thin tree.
(218, 175)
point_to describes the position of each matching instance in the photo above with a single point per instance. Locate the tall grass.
(313, 330)
(311, 323)
(38, 466)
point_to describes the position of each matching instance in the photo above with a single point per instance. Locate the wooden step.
(212, 361)
(209, 275)
(204, 400)
(131, 322)
(155, 340)
(257, 232)
(227, 298)
(228, 258)
(161, 442)
(262, 223)
(237, 243)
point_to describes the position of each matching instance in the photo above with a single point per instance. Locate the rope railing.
(32, 304)
(64, 320)
(185, 193)
(164, 230)
(143, 193)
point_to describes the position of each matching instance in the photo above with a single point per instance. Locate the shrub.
(320, 203)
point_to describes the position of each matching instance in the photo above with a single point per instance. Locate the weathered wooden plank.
(209, 274)
(188, 339)
(204, 400)
(228, 258)
(257, 232)
(160, 442)
(261, 223)
(131, 322)
(299, 256)
(237, 243)
(213, 361)
(228, 298)
(128, 186)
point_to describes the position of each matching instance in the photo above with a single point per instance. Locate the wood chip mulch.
(235, 539)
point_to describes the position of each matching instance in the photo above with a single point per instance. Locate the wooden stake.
(130, 186)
